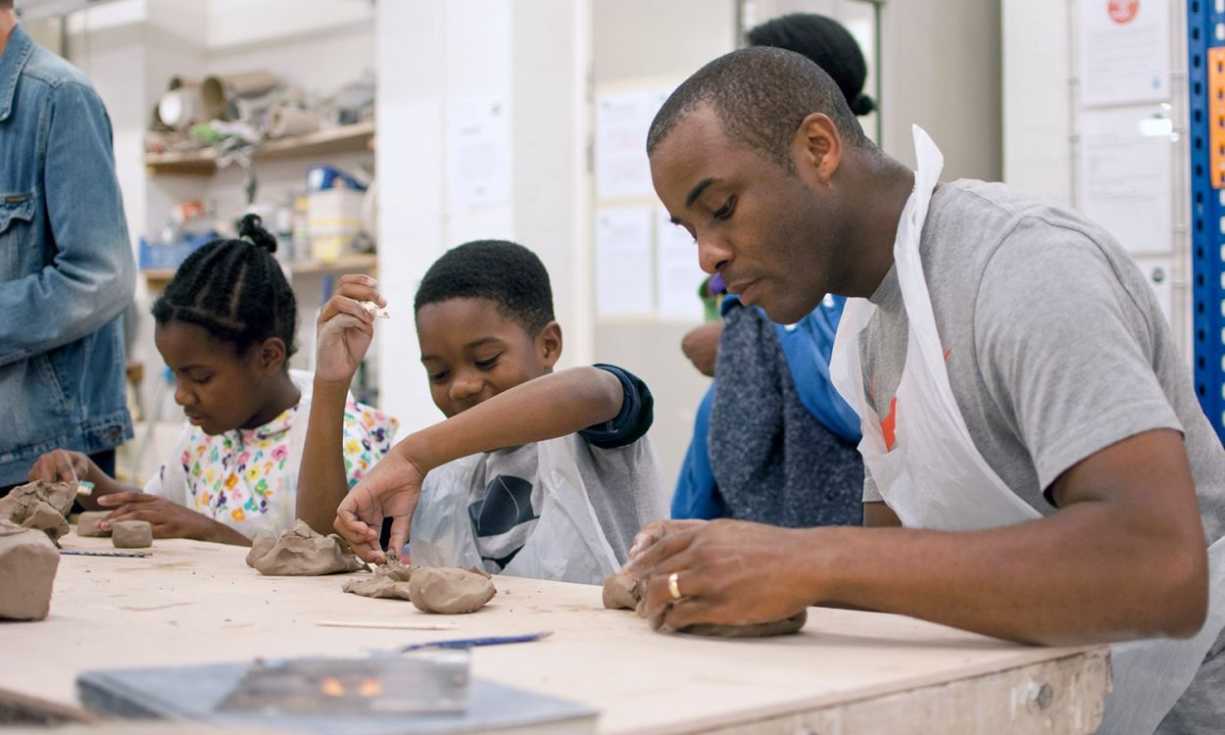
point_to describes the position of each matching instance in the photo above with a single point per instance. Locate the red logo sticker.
(1122, 11)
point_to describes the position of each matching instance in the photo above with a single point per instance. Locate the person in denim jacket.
(66, 270)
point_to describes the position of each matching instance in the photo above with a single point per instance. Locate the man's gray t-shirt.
(1054, 343)
(1056, 349)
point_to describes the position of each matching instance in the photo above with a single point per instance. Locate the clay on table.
(28, 560)
(87, 524)
(622, 592)
(40, 505)
(786, 626)
(450, 591)
(301, 552)
(132, 534)
(390, 580)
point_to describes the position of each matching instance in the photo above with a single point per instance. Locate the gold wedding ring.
(673, 586)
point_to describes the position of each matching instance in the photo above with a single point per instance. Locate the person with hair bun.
(225, 326)
(773, 442)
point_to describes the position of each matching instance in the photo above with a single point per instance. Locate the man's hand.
(345, 329)
(656, 530)
(390, 490)
(62, 465)
(701, 346)
(169, 519)
(728, 572)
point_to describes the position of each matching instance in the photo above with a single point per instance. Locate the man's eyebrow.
(696, 191)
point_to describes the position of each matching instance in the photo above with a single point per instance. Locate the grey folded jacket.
(773, 461)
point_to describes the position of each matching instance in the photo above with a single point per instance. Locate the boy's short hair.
(503, 272)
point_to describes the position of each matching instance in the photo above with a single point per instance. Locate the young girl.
(225, 327)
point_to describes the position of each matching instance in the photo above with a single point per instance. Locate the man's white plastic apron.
(935, 478)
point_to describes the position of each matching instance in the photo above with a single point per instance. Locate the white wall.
(941, 70)
(1037, 114)
(435, 55)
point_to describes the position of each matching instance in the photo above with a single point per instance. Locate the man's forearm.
(547, 407)
(322, 482)
(1081, 576)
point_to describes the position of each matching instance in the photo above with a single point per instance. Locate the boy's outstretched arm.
(345, 330)
(550, 406)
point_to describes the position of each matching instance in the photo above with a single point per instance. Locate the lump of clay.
(620, 592)
(40, 505)
(87, 524)
(28, 561)
(786, 626)
(132, 534)
(390, 580)
(450, 591)
(301, 552)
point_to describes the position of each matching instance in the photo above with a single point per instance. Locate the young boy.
(565, 509)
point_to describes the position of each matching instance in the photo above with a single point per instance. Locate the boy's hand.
(390, 490)
(345, 329)
(62, 465)
(169, 519)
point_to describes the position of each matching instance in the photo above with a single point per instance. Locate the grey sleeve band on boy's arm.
(1065, 344)
(636, 416)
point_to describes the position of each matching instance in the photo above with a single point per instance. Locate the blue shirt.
(66, 268)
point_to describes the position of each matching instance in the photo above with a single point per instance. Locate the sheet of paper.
(676, 270)
(1125, 175)
(622, 121)
(1124, 50)
(1159, 274)
(478, 154)
(623, 262)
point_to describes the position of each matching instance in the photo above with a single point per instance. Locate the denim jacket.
(66, 267)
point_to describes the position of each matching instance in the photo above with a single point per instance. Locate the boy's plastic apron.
(935, 478)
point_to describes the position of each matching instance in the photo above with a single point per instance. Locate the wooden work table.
(847, 672)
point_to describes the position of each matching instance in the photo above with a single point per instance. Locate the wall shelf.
(157, 278)
(344, 139)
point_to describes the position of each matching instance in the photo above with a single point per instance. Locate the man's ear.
(817, 148)
(549, 344)
(271, 355)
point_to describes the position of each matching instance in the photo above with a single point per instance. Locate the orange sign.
(1122, 11)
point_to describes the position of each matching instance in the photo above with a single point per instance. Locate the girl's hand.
(169, 519)
(345, 329)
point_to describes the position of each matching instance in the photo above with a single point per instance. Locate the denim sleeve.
(91, 275)
(635, 419)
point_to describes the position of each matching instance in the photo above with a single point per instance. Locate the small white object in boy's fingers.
(376, 310)
(85, 488)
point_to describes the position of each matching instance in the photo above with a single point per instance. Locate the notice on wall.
(676, 270)
(622, 121)
(623, 261)
(478, 150)
(1125, 179)
(1124, 50)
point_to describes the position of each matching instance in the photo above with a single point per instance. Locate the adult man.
(1026, 414)
(66, 270)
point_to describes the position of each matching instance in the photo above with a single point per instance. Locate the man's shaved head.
(760, 95)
